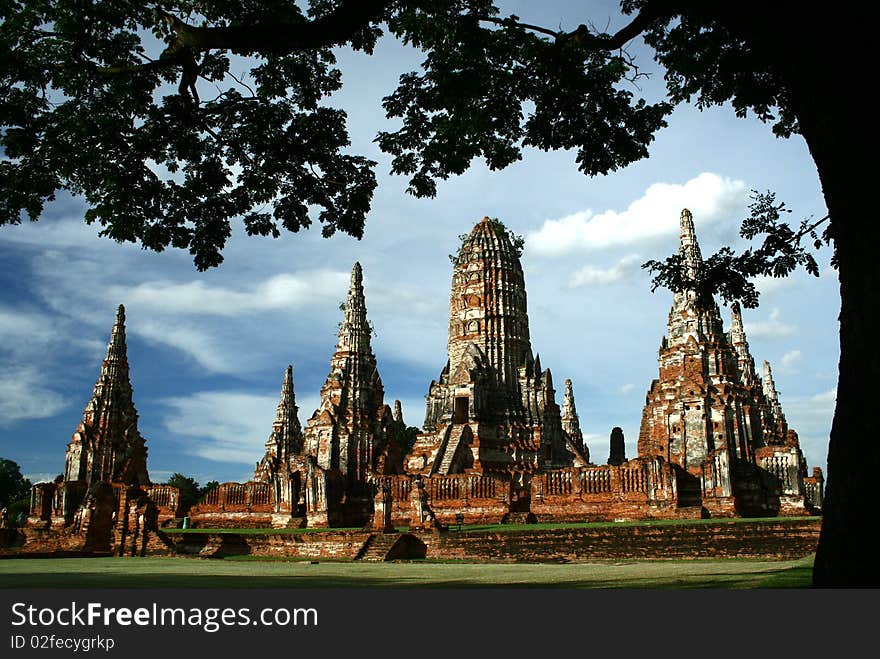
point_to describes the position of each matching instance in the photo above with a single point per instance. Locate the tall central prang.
(493, 409)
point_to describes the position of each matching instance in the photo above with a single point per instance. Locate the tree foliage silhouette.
(110, 101)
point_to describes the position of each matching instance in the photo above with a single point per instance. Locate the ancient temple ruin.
(106, 445)
(712, 417)
(105, 498)
(494, 409)
(322, 475)
(495, 446)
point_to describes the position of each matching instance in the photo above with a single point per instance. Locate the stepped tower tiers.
(106, 445)
(348, 433)
(701, 401)
(493, 409)
(286, 439)
(774, 418)
(708, 413)
(571, 424)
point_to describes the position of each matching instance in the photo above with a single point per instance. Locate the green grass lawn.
(483, 528)
(214, 573)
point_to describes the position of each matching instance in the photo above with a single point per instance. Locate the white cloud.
(160, 475)
(773, 327)
(41, 477)
(592, 276)
(768, 285)
(24, 395)
(788, 362)
(232, 426)
(656, 213)
(25, 330)
(625, 389)
(825, 397)
(198, 344)
(226, 426)
(811, 417)
(283, 291)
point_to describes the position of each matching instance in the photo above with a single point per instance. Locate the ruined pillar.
(617, 455)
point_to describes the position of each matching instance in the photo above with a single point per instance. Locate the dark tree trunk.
(822, 67)
(847, 555)
(841, 136)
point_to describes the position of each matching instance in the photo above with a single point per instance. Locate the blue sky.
(208, 350)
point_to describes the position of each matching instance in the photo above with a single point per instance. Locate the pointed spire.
(398, 412)
(737, 337)
(689, 248)
(738, 332)
(287, 408)
(570, 422)
(736, 320)
(114, 378)
(568, 407)
(286, 437)
(769, 385)
(354, 332)
(548, 380)
(772, 396)
(106, 444)
(116, 349)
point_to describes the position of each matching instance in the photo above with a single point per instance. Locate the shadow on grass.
(798, 576)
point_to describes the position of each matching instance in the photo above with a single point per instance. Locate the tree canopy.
(134, 107)
(13, 486)
(190, 492)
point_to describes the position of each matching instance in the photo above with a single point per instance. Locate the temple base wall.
(768, 539)
(783, 540)
(576, 508)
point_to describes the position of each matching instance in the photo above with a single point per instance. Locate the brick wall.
(785, 539)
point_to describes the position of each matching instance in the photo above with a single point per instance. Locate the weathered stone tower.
(704, 399)
(106, 445)
(571, 423)
(348, 433)
(493, 409)
(286, 438)
(707, 413)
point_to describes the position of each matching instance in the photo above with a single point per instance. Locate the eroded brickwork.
(106, 445)
(710, 415)
(495, 445)
(104, 501)
(323, 475)
(494, 408)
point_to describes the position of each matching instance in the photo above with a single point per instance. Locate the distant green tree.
(13, 486)
(14, 491)
(210, 485)
(189, 489)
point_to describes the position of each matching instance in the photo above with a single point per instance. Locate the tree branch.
(807, 230)
(334, 29)
(512, 22)
(583, 34)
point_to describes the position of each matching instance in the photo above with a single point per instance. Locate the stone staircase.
(377, 547)
(450, 449)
